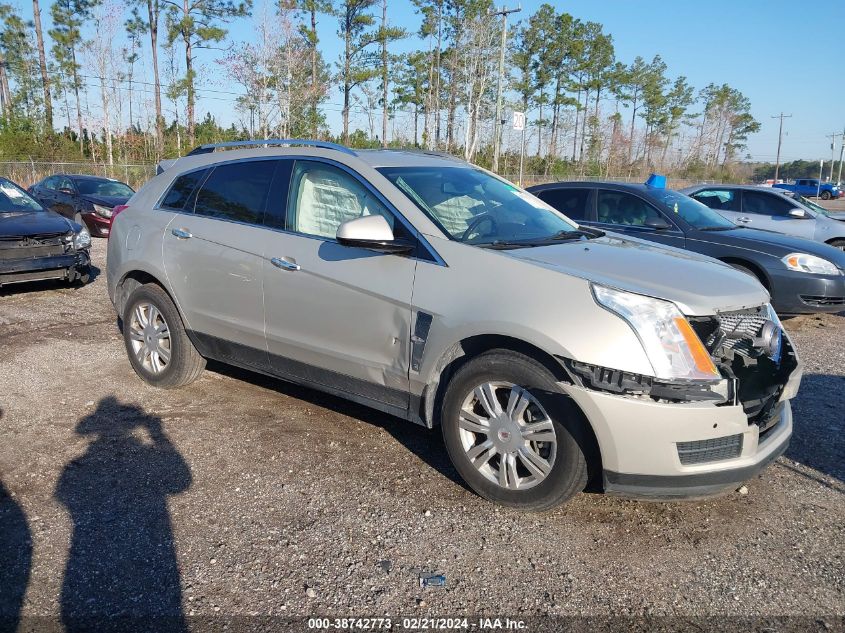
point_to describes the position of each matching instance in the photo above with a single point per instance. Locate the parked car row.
(600, 343)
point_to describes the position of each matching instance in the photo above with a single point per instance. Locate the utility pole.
(832, 138)
(841, 150)
(780, 116)
(497, 127)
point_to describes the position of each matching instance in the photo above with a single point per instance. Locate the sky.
(781, 62)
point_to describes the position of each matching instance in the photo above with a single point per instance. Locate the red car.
(84, 199)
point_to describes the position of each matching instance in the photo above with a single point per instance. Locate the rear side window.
(719, 199)
(761, 203)
(237, 191)
(618, 207)
(181, 190)
(573, 203)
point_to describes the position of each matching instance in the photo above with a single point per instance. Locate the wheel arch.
(473, 346)
(132, 280)
(758, 271)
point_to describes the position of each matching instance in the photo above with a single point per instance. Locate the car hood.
(699, 285)
(771, 243)
(106, 201)
(30, 224)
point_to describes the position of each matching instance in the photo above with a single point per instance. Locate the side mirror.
(798, 213)
(372, 232)
(657, 223)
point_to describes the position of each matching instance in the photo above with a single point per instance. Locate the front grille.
(32, 247)
(740, 328)
(31, 252)
(714, 450)
(820, 301)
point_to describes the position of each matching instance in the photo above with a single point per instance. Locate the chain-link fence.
(26, 173)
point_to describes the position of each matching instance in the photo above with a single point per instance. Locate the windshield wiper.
(576, 233)
(502, 245)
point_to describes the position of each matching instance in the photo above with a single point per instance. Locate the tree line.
(120, 82)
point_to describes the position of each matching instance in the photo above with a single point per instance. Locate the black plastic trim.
(393, 401)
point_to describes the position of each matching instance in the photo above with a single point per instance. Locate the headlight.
(82, 239)
(103, 212)
(803, 263)
(672, 347)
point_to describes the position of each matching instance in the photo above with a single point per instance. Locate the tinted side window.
(618, 207)
(50, 183)
(765, 204)
(237, 191)
(181, 190)
(571, 202)
(724, 199)
(63, 183)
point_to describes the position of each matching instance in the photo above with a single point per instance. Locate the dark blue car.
(802, 276)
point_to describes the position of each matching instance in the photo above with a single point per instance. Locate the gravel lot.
(240, 495)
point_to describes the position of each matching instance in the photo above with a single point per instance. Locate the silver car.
(771, 209)
(552, 356)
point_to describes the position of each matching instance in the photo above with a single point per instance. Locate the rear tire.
(826, 195)
(158, 347)
(503, 411)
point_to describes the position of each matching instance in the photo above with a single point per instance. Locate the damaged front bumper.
(70, 266)
(667, 439)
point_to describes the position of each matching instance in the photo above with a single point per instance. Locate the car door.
(726, 201)
(65, 197)
(213, 257)
(770, 211)
(45, 192)
(624, 212)
(336, 315)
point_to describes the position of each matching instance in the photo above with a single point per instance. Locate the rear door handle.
(285, 263)
(182, 234)
(744, 220)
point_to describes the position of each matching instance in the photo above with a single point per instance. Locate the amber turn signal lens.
(702, 359)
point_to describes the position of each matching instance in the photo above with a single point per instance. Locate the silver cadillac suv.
(552, 356)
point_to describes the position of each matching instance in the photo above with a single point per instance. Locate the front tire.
(840, 244)
(512, 435)
(158, 347)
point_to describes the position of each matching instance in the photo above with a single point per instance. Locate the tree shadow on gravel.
(427, 444)
(818, 436)
(122, 572)
(15, 559)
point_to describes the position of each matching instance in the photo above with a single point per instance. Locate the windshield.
(692, 211)
(108, 188)
(808, 204)
(474, 207)
(13, 199)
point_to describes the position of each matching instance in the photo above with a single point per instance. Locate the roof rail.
(210, 147)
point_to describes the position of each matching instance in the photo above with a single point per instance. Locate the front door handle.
(182, 234)
(285, 263)
(744, 220)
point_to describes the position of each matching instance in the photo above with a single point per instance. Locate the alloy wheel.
(507, 435)
(149, 336)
